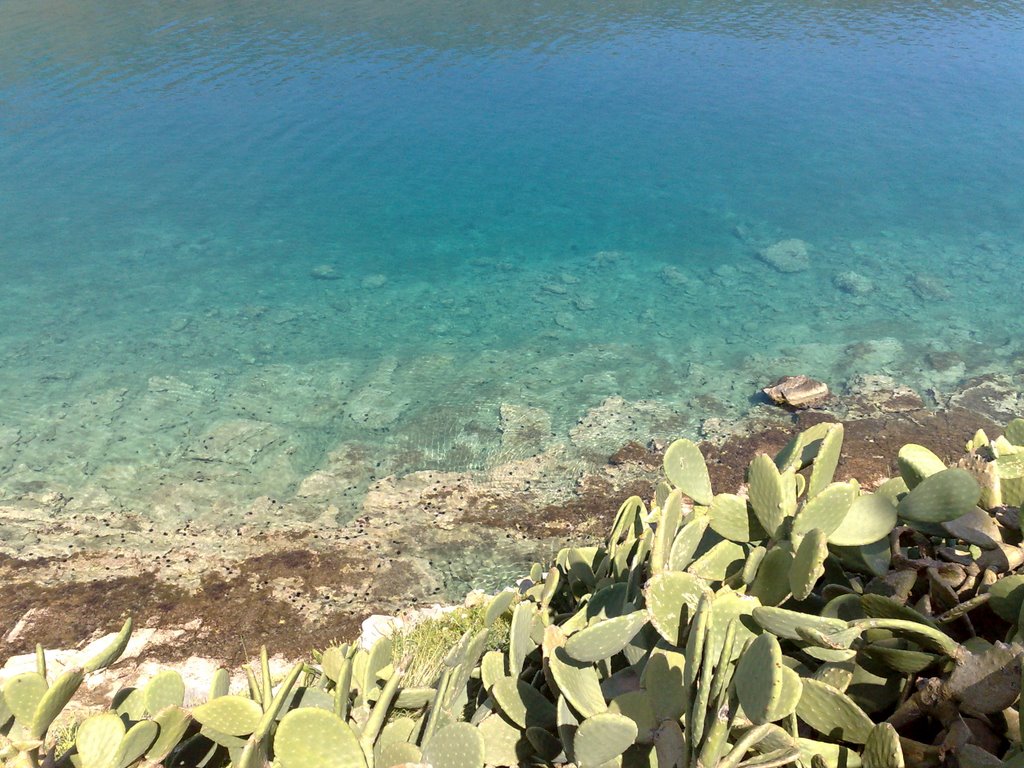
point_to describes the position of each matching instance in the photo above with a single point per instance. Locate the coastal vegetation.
(802, 621)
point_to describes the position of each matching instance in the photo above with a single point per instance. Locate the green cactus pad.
(544, 744)
(459, 745)
(826, 510)
(5, 711)
(23, 693)
(758, 678)
(112, 652)
(232, 715)
(173, 723)
(828, 754)
(220, 684)
(668, 525)
(686, 469)
(902, 660)
(823, 468)
(870, 518)
(771, 584)
(894, 489)
(497, 607)
(502, 741)
(492, 668)
(602, 738)
(882, 607)
(731, 608)
(732, 518)
(916, 463)
(723, 559)
(686, 542)
(308, 737)
(411, 698)
(808, 564)
(636, 705)
(663, 681)
(304, 696)
(872, 559)
(783, 623)
(801, 450)
(772, 495)
(1014, 432)
(833, 713)
(523, 704)
(1006, 597)
(882, 748)
(946, 495)
(578, 682)
(136, 742)
(671, 599)
(520, 642)
(401, 753)
(98, 739)
(752, 564)
(332, 660)
(165, 689)
(1010, 466)
(604, 639)
(54, 700)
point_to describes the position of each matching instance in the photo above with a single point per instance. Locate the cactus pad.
(604, 639)
(686, 469)
(54, 700)
(946, 495)
(823, 467)
(602, 738)
(871, 517)
(833, 713)
(231, 715)
(772, 495)
(308, 737)
(687, 541)
(732, 518)
(916, 463)
(578, 682)
(808, 564)
(23, 693)
(165, 689)
(112, 652)
(672, 597)
(459, 745)
(882, 748)
(523, 704)
(98, 739)
(826, 510)
(497, 607)
(758, 678)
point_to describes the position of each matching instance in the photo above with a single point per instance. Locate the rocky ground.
(299, 582)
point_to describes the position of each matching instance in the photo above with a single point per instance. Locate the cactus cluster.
(805, 621)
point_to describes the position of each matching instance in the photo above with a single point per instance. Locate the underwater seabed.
(294, 396)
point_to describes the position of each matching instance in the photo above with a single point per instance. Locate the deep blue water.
(542, 204)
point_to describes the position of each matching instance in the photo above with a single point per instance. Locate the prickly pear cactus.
(805, 620)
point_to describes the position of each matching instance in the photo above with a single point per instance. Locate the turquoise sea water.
(240, 240)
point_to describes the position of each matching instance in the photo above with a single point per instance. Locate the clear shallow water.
(541, 205)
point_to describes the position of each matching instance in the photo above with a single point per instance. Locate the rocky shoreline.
(296, 584)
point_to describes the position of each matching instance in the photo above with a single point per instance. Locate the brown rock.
(797, 391)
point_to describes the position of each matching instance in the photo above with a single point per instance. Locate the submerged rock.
(929, 288)
(797, 391)
(324, 272)
(791, 255)
(853, 283)
(374, 281)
